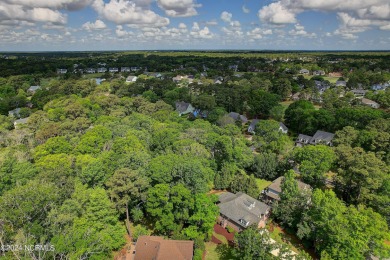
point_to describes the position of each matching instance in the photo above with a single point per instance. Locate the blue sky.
(66, 25)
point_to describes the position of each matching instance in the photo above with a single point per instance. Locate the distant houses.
(319, 73)
(239, 211)
(125, 69)
(359, 92)
(15, 112)
(102, 70)
(33, 89)
(113, 70)
(131, 79)
(252, 127)
(62, 71)
(320, 137)
(184, 108)
(369, 102)
(304, 72)
(21, 121)
(238, 117)
(341, 83)
(90, 70)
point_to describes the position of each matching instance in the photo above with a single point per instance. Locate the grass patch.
(286, 103)
(219, 252)
(262, 184)
(211, 252)
(221, 238)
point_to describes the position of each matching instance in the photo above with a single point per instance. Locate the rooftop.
(158, 248)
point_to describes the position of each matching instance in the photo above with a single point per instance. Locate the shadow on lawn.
(225, 252)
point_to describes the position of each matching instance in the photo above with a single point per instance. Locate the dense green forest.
(93, 157)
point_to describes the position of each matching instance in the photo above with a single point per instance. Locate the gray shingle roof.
(252, 126)
(182, 106)
(276, 186)
(237, 116)
(322, 136)
(34, 88)
(284, 128)
(304, 138)
(242, 208)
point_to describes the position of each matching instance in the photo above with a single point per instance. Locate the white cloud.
(299, 30)
(352, 13)
(276, 13)
(16, 13)
(127, 12)
(226, 17)
(204, 33)
(178, 8)
(121, 33)
(245, 9)
(212, 23)
(97, 25)
(182, 26)
(51, 4)
(258, 33)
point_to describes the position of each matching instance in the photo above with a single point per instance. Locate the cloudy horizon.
(82, 25)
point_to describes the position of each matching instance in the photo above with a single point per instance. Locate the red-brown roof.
(158, 248)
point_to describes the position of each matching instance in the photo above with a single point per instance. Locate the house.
(62, 71)
(184, 108)
(341, 83)
(99, 81)
(125, 69)
(335, 74)
(15, 112)
(158, 248)
(369, 102)
(240, 211)
(217, 81)
(90, 70)
(233, 67)
(321, 86)
(304, 72)
(296, 97)
(252, 126)
(113, 70)
(302, 140)
(130, 79)
(322, 137)
(271, 193)
(33, 89)
(359, 92)
(237, 116)
(135, 69)
(21, 121)
(179, 78)
(377, 87)
(200, 113)
(283, 128)
(101, 70)
(319, 73)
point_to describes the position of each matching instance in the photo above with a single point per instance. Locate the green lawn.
(218, 252)
(262, 183)
(220, 238)
(332, 80)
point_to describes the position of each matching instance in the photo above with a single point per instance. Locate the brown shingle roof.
(157, 248)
